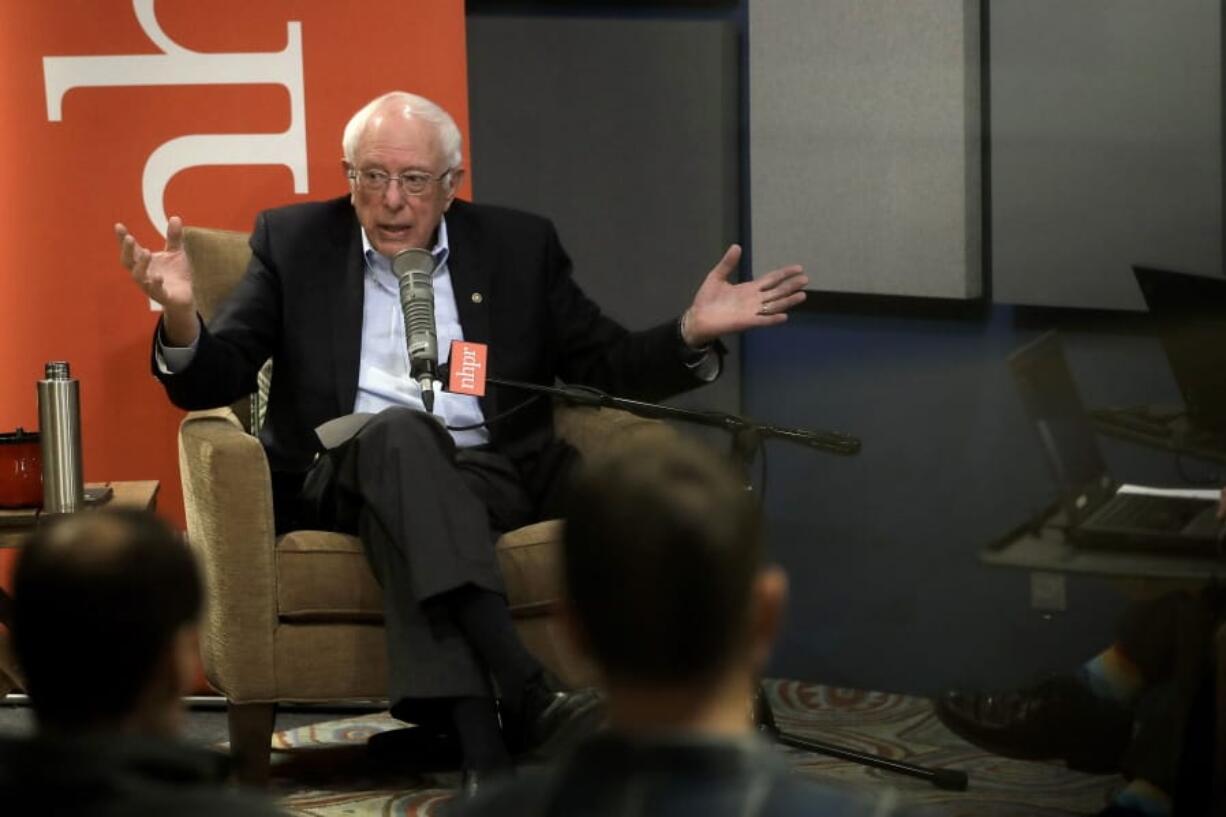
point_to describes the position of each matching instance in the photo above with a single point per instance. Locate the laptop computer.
(1099, 511)
(1190, 315)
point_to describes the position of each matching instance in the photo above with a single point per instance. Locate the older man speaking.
(320, 299)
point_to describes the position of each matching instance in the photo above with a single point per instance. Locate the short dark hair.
(662, 545)
(97, 600)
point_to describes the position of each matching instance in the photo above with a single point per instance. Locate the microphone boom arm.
(831, 442)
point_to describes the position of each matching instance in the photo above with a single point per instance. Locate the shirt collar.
(376, 262)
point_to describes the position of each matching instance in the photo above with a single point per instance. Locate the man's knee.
(1155, 633)
(401, 426)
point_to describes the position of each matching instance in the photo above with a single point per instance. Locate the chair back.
(219, 260)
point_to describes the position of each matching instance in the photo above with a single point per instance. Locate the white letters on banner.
(177, 65)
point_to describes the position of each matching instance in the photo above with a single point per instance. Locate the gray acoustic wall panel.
(865, 143)
(1106, 129)
(624, 132)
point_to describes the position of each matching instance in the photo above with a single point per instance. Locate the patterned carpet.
(323, 770)
(900, 727)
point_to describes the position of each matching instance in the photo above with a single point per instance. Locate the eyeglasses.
(412, 182)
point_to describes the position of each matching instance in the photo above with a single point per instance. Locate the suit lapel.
(470, 280)
(470, 276)
(347, 295)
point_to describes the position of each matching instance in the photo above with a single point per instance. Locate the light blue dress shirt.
(383, 379)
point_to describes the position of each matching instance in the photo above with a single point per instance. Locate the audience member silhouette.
(668, 593)
(105, 609)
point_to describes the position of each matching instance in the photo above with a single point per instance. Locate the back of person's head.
(663, 545)
(102, 601)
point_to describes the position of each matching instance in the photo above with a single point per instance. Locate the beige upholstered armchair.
(299, 618)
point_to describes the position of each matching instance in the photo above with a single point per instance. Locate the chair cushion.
(325, 576)
(530, 558)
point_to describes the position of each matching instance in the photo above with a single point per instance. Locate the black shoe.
(474, 781)
(551, 718)
(415, 748)
(1058, 717)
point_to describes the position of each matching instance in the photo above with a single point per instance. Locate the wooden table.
(15, 526)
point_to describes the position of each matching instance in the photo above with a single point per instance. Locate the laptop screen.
(1190, 316)
(1065, 431)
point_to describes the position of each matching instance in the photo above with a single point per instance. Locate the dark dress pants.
(428, 515)
(1170, 639)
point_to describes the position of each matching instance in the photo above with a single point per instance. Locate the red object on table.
(21, 471)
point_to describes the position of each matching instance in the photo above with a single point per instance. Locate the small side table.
(16, 525)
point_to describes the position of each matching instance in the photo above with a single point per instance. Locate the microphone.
(414, 270)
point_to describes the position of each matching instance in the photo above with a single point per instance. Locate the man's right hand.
(166, 277)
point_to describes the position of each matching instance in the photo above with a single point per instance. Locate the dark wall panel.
(1106, 131)
(624, 132)
(865, 143)
(882, 549)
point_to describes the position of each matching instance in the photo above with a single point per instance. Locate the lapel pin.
(477, 297)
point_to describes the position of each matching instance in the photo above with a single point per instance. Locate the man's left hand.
(721, 307)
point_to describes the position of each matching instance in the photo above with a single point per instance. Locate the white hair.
(410, 105)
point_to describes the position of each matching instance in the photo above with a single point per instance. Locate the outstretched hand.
(166, 277)
(721, 307)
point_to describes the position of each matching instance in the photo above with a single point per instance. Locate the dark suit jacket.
(301, 304)
(113, 775)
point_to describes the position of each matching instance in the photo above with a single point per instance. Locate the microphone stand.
(747, 438)
(747, 434)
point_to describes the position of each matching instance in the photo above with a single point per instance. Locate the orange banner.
(131, 110)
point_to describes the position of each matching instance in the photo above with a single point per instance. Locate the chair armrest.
(595, 432)
(227, 494)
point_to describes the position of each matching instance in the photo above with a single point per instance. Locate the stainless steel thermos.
(59, 420)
